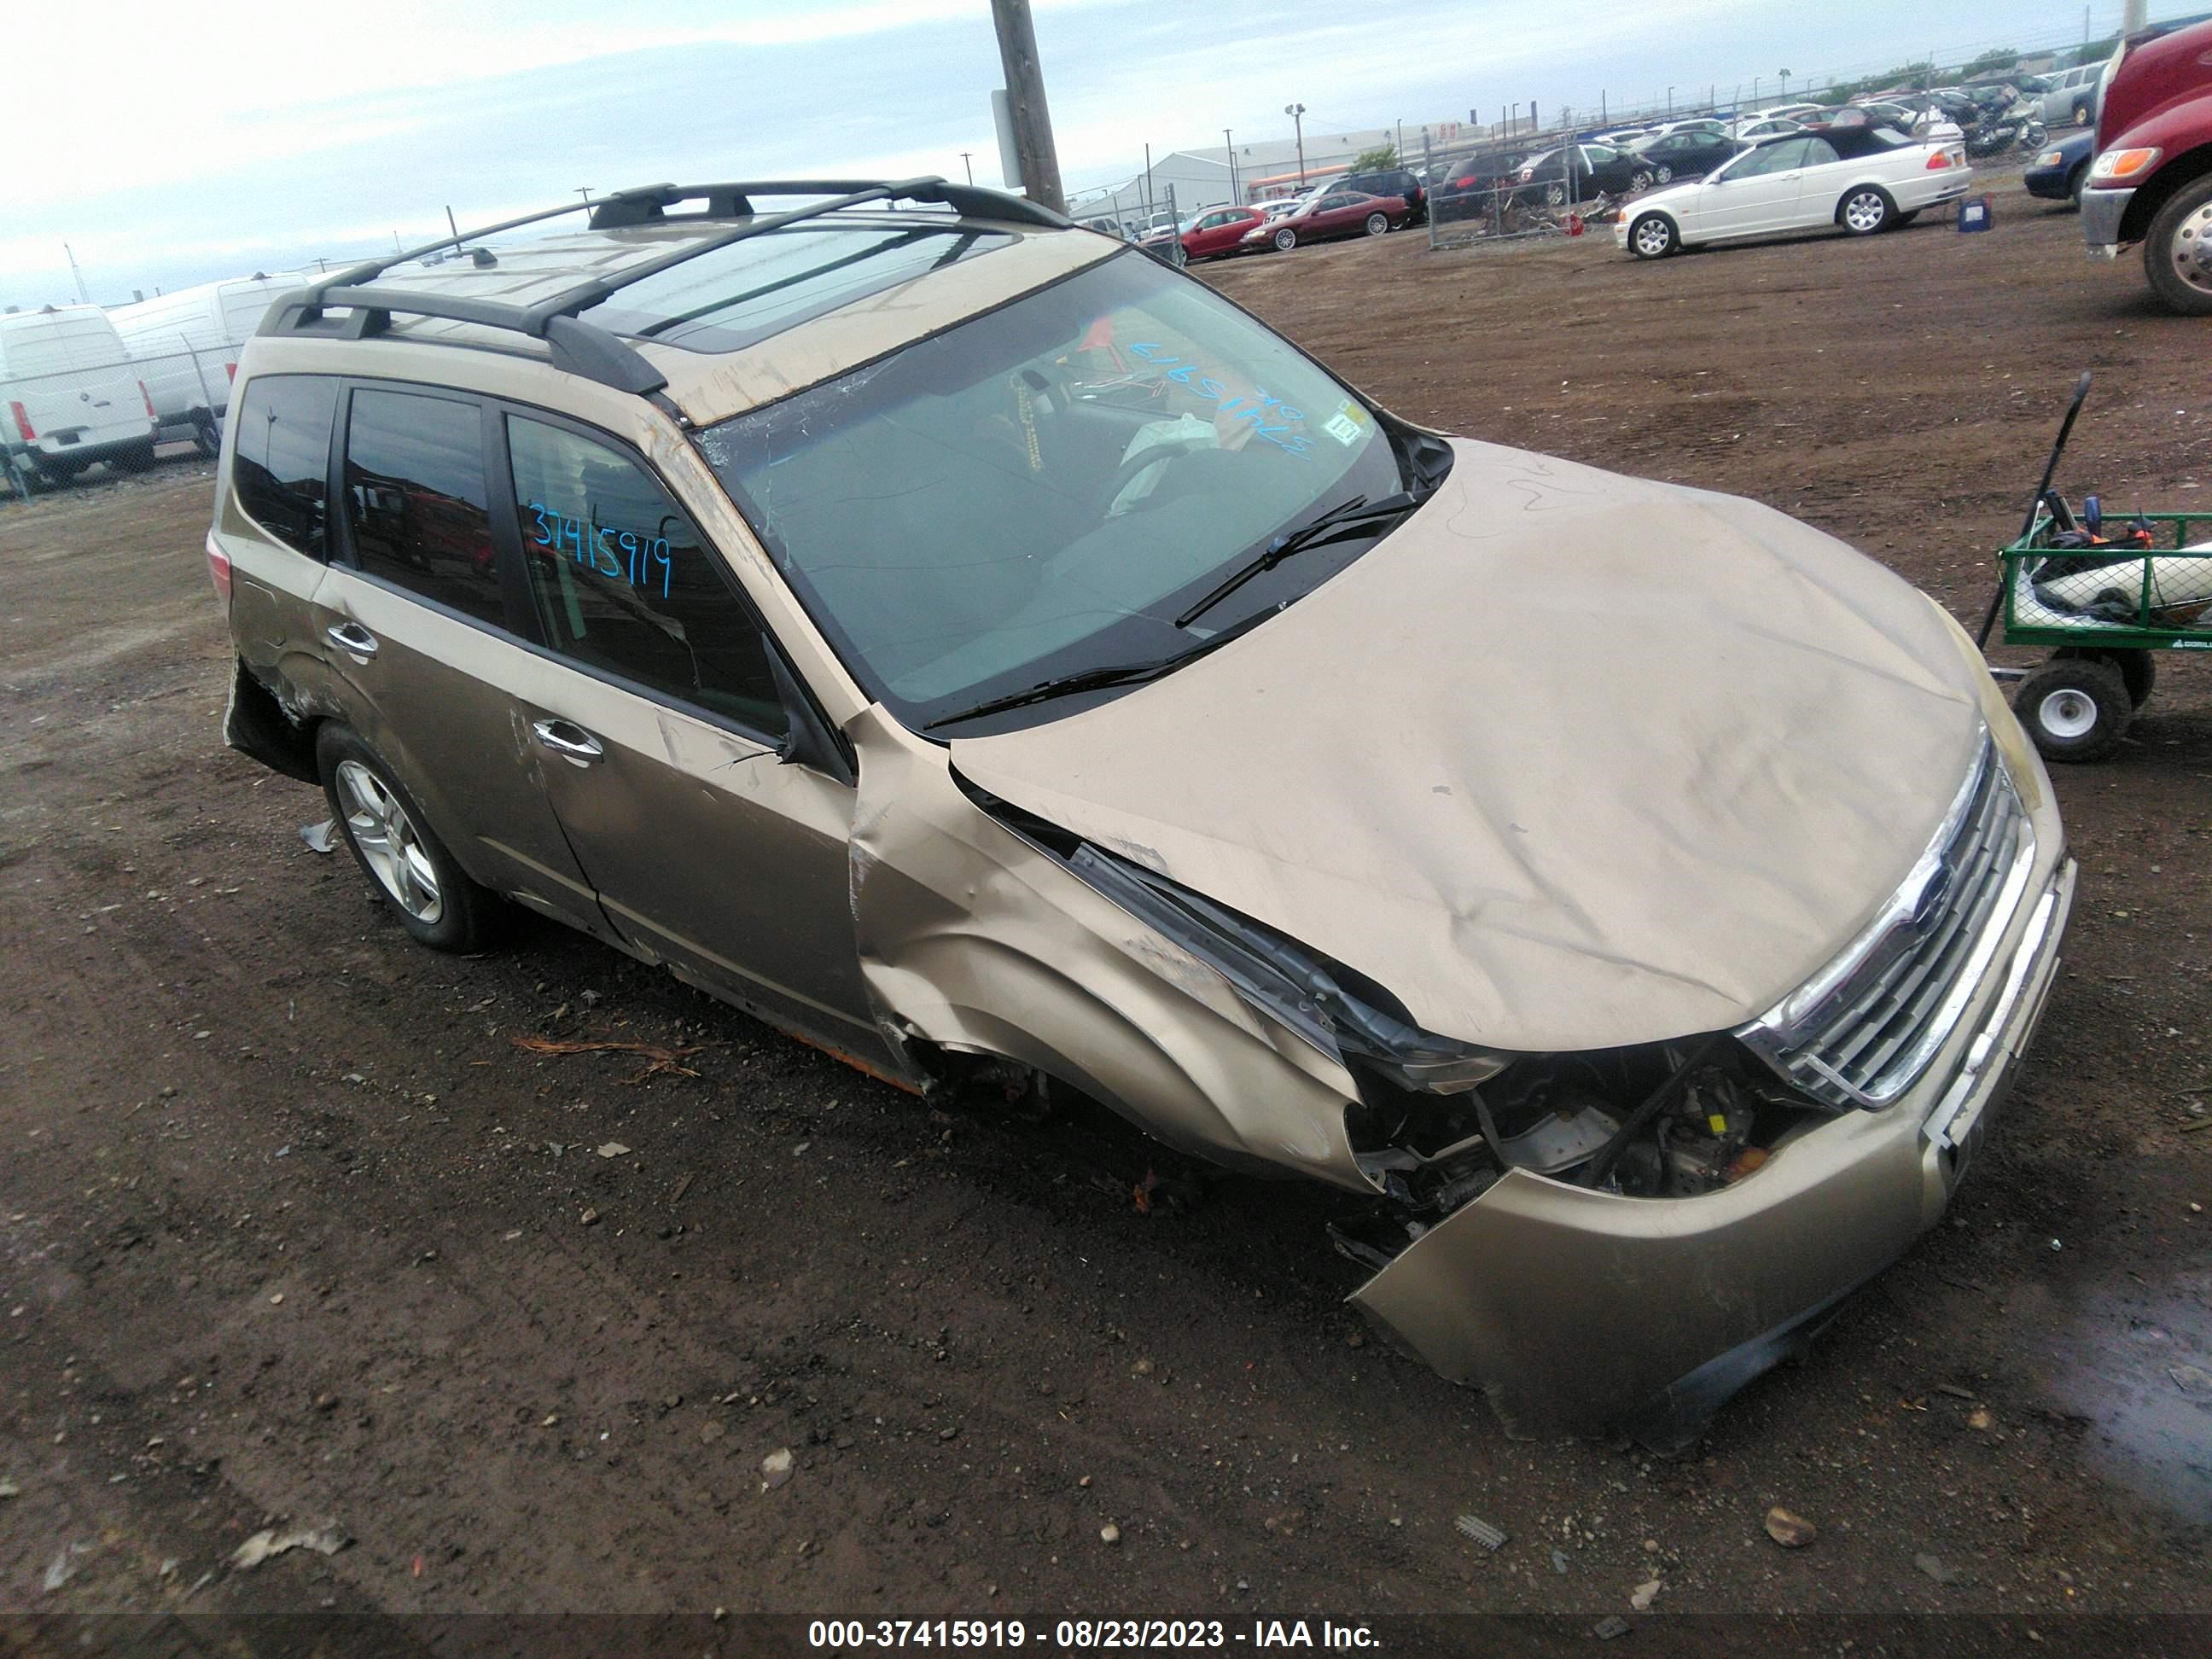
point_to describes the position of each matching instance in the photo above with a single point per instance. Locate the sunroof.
(728, 300)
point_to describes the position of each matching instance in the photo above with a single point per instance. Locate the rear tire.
(2081, 112)
(2075, 708)
(139, 458)
(2177, 252)
(1866, 211)
(421, 886)
(1377, 223)
(208, 436)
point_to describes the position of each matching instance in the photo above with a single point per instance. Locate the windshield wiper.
(1344, 520)
(1090, 679)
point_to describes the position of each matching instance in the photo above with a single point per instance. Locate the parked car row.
(1357, 204)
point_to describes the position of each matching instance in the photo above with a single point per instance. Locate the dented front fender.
(973, 940)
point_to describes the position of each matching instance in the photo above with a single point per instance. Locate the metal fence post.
(1429, 184)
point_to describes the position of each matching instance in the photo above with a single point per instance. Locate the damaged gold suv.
(965, 643)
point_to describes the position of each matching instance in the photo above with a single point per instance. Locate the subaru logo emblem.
(1930, 904)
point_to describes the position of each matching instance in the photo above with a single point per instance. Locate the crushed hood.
(1568, 760)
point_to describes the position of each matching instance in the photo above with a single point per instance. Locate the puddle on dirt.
(2136, 1360)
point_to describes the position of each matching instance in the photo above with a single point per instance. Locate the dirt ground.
(289, 1226)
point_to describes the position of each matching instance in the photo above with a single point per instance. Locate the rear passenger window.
(283, 463)
(621, 581)
(416, 503)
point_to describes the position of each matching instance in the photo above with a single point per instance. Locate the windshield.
(1041, 490)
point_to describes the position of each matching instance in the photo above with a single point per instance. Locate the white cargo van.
(69, 395)
(186, 345)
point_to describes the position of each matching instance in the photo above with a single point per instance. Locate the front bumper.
(2102, 213)
(1576, 1309)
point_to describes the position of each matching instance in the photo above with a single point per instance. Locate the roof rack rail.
(586, 348)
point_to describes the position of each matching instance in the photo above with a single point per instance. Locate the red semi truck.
(2152, 180)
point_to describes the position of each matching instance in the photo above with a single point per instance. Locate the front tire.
(1866, 211)
(1654, 237)
(420, 882)
(1284, 240)
(1640, 180)
(2075, 708)
(2177, 252)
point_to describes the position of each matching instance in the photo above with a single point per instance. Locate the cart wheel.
(2076, 708)
(2139, 670)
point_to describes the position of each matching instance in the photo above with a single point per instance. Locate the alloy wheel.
(1865, 211)
(389, 845)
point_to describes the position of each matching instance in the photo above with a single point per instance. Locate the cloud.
(258, 133)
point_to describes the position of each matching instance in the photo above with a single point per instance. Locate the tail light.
(230, 373)
(218, 567)
(148, 396)
(30, 432)
(1938, 160)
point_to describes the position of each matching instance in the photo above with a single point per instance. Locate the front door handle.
(570, 741)
(353, 639)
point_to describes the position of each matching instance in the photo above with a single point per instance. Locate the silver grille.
(1861, 1032)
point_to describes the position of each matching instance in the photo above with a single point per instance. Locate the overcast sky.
(170, 143)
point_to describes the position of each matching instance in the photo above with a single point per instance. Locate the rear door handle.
(570, 740)
(353, 639)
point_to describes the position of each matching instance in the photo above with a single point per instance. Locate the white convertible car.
(1863, 178)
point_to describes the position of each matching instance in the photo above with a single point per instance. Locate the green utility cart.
(2103, 591)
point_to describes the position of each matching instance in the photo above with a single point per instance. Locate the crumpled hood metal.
(1570, 760)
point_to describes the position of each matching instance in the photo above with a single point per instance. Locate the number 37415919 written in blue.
(623, 553)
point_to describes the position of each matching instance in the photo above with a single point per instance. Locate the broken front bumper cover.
(1575, 1309)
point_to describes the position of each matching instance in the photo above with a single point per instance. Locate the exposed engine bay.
(1660, 1121)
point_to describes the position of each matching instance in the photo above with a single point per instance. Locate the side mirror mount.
(807, 738)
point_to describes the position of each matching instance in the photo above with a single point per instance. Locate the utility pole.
(1229, 154)
(1298, 114)
(2137, 14)
(1032, 121)
(81, 293)
(967, 164)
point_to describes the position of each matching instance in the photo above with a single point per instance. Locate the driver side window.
(620, 582)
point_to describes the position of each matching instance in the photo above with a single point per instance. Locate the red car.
(1216, 231)
(1337, 212)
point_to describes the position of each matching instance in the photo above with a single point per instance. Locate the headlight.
(1338, 1012)
(2116, 166)
(2049, 158)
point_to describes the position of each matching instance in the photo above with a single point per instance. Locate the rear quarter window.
(281, 458)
